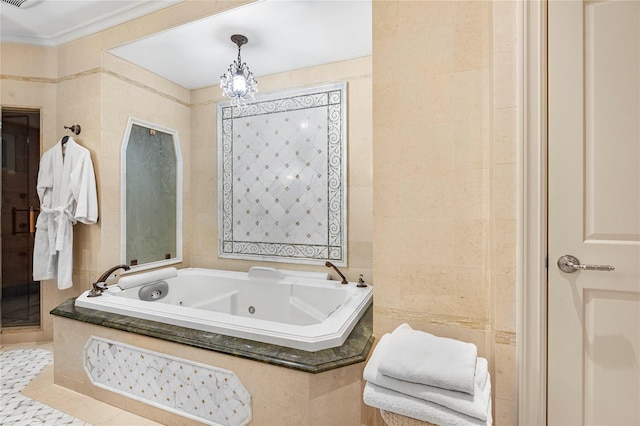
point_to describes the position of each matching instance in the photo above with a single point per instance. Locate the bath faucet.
(331, 265)
(361, 282)
(100, 285)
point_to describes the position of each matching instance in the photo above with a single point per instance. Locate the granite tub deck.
(354, 350)
(286, 386)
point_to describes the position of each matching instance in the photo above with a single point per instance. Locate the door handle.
(32, 220)
(568, 263)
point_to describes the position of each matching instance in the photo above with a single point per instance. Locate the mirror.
(151, 196)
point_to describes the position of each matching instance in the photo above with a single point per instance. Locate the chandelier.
(238, 82)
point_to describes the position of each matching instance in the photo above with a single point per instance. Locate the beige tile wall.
(28, 80)
(445, 106)
(128, 91)
(438, 162)
(506, 108)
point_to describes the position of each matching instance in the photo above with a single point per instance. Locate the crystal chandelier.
(238, 82)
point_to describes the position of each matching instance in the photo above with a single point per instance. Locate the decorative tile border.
(435, 319)
(201, 392)
(282, 177)
(93, 71)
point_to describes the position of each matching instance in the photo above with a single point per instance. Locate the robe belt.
(62, 217)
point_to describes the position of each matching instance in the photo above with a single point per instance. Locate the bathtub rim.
(331, 333)
(354, 350)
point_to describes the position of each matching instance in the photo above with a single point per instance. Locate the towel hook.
(75, 128)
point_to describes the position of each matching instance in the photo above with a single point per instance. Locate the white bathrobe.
(67, 191)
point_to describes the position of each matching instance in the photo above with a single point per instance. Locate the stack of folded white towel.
(434, 379)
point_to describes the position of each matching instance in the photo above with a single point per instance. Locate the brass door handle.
(32, 220)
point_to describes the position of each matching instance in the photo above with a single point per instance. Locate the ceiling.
(283, 34)
(55, 22)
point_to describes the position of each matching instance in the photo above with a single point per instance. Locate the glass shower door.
(20, 297)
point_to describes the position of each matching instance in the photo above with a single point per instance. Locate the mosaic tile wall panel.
(198, 391)
(282, 177)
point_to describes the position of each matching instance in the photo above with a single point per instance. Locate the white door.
(594, 212)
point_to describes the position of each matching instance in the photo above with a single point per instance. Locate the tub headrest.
(130, 281)
(305, 274)
(262, 272)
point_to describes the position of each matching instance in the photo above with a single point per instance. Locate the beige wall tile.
(386, 15)
(505, 128)
(504, 191)
(469, 192)
(472, 40)
(505, 79)
(504, 380)
(470, 243)
(432, 198)
(26, 61)
(471, 142)
(437, 290)
(420, 17)
(504, 246)
(360, 201)
(505, 302)
(505, 412)
(331, 399)
(505, 26)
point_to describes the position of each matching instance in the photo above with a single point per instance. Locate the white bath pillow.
(130, 281)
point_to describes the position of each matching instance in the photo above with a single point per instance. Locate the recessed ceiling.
(55, 22)
(283, 35)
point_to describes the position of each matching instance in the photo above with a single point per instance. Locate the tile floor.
(29, 397)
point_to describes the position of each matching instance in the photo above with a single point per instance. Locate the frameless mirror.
(151, 196)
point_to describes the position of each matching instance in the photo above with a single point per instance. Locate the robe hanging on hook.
(75, 128)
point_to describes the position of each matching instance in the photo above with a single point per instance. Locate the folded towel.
(472, 405)
(419, 357)
(386, 399)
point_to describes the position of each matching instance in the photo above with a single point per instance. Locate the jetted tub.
(287, 308)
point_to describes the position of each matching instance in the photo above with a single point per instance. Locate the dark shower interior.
(20, 297)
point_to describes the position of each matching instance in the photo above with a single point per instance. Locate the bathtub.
(287, 308)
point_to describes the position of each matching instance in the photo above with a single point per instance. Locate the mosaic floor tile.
(17, 369)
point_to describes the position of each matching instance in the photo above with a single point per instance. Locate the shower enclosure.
(20, 296)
